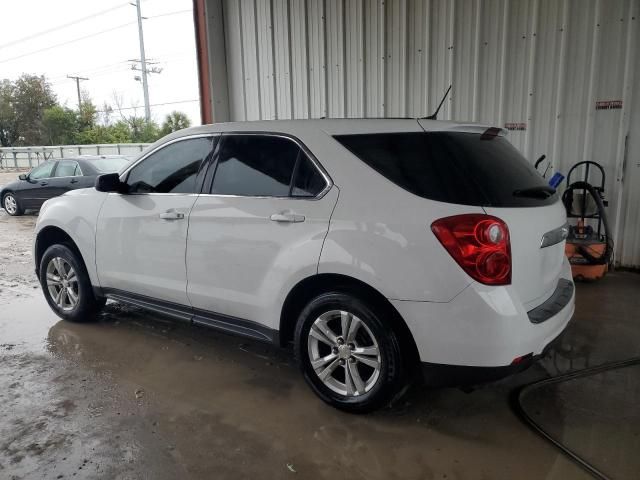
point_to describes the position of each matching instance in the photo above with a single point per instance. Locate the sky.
(95, 39)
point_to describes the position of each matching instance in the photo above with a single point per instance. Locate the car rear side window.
(452, 167)
(308, 181)
(172, 169)
(255, 165)
(68, 168)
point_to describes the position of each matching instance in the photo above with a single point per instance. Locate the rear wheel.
(12, 205)
(347, 353)
(66, 285)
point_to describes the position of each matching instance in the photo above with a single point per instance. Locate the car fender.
(76, 214)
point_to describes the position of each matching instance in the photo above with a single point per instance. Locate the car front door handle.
(44, 183)
(287, 218)
(170, 215)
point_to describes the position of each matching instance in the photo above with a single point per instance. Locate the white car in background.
(374, 246)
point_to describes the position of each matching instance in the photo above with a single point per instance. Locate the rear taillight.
(479, 243)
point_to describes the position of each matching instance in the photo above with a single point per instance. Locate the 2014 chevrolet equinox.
(373, 245)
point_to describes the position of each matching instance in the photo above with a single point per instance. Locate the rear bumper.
(483, 326)
(438, 375)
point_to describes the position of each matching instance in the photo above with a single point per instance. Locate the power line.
(94, 71)
(120, 68)
(152, 105)
(65, 25)
(170, 13)
(33, 52)
(67, 42)
(109, 67)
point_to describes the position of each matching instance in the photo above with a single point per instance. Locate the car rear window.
(109, 164)
(452, 167)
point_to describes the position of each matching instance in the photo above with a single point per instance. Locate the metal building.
(562, 75)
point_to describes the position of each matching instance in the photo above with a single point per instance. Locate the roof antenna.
(434, 115)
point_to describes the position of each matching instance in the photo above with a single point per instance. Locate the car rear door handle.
(73, 181)
(171, 215)
(287, 218)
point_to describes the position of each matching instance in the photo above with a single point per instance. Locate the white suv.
(374, 246)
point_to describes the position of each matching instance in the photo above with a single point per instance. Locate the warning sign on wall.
(515, 126)
(608, 104)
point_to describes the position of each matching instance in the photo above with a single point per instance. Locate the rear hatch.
(512, 190)
(478, 166)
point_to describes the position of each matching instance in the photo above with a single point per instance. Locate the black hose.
(605, 256)
(520, 411)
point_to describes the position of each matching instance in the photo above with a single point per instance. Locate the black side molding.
(556, 302)
(217, 321)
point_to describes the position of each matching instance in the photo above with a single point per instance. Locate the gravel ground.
(17, 277)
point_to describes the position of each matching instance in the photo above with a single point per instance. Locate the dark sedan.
(53, 178)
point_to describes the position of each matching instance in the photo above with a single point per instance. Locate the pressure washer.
(589, 246)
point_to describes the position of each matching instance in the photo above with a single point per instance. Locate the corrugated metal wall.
(539, 65)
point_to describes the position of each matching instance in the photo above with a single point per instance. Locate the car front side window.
(172, 169)
(42, 171)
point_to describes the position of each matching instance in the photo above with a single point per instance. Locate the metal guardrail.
(29, 157)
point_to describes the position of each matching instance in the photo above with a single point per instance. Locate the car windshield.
(109, 164)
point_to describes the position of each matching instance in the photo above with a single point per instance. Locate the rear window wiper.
(542, 191)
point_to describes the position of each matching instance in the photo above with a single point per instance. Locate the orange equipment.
(589, 244)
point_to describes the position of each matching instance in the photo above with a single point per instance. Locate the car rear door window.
(307, 182)
(255, 165)
(171, 169)
(68, 168)
(453, 167)
(42, 171)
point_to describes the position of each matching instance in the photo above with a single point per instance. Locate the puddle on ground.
(134, 395)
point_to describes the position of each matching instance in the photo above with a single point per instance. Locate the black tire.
(391, 377)
(18, 210)
(87, 305)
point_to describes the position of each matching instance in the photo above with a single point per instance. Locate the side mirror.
(109, 182)
(24, 176)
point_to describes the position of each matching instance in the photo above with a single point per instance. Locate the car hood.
(78, 191)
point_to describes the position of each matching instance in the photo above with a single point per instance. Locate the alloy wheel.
(62, 283)
(10, 204)
(344, 353)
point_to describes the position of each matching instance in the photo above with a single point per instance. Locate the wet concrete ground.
(136, 396)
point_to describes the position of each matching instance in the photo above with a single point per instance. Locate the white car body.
(232, 267)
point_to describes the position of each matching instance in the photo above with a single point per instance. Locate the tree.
(8, 133)
(142, 131)
(60, 125)
(118, 133)
(87, 114)
(31, 95)
(175, 121)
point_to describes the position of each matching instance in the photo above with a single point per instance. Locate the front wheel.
(348, 354)
(66, 285)
(12, 205)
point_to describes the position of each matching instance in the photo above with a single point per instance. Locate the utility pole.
(143, 61)
(77, 79)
